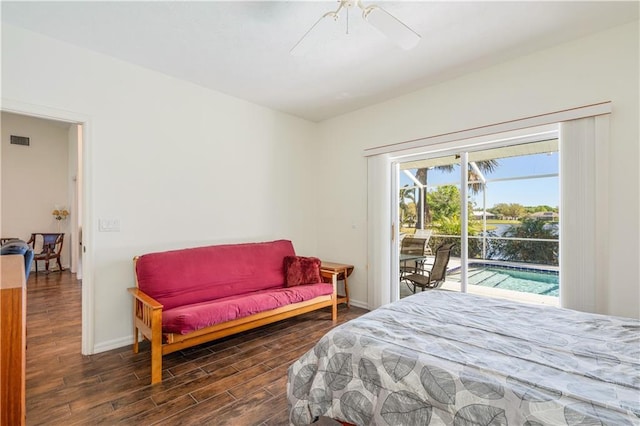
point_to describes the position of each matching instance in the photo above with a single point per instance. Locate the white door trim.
(41, 111)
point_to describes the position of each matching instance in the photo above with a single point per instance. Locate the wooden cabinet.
(13, 310)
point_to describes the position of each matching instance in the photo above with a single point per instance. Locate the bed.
(448, 358)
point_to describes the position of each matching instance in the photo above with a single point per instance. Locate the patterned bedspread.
(447, 358)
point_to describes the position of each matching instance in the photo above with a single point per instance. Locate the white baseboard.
(358, 304)
(113, 344)
(51, 263)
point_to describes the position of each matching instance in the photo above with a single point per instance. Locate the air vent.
(20, 140)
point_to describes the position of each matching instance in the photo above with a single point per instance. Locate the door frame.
(524, 136)
(86, 207)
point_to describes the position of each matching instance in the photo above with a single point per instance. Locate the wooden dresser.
(13, 310)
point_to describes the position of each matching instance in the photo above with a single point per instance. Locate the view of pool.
(517, 279)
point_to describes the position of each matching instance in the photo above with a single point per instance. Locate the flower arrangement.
(60, 214)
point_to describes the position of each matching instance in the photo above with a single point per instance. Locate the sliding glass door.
(430, 210)
(497, 208)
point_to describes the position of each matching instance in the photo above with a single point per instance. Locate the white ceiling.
(242, 48)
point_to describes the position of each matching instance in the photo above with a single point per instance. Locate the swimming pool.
(511, 278)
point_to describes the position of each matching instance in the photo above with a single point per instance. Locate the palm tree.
(485, 166)
(406, 193)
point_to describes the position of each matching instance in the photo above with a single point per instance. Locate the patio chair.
(436, 276)
(424, 233)
(412, 247)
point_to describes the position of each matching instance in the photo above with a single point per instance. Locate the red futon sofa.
(187, 297)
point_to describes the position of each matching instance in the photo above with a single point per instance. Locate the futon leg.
(156, 361)
(136, 338)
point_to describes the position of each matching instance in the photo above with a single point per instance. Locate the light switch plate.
(109, 225)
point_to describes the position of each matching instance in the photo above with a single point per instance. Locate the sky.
(531, 192)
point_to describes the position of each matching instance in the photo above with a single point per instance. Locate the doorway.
(496, 205)
(41, 181)
(79, 202)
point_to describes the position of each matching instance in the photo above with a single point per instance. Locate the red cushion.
(301, 270)
(187, 276)
(185, 319)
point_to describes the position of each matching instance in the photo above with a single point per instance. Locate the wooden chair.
(51, 248)
(436, 276)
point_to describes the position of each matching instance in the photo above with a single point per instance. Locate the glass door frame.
(463, 150)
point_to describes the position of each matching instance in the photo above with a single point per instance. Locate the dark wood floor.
(239, 380)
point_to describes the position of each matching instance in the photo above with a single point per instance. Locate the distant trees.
(508, 211)
(517, 211)
(527, 251)
(542, 208)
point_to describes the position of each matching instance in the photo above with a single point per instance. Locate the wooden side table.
(343, 271)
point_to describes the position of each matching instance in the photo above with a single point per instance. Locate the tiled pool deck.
(449, 284)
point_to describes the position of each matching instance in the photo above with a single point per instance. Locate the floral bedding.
(447, 358)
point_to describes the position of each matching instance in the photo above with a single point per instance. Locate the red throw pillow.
(301, 270)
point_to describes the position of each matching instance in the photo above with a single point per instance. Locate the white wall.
(597, 68)
(177, 164)
(34, 179)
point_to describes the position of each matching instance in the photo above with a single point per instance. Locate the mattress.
(448, 358)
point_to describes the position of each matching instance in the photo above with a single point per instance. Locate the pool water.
(525, 280)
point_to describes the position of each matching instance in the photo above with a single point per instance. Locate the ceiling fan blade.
(392, 27)
(300, 47)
